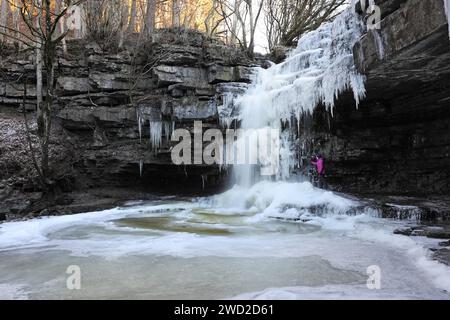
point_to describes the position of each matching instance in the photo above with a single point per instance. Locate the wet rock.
(401, 212)
(434, 232)
(442, 255)
(445, 243)
(243, 74)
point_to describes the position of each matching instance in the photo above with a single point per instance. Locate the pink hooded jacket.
(319, 165)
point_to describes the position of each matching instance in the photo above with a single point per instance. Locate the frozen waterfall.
(316, 72)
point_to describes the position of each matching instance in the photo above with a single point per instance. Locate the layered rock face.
(398, 140)
(115, 111)
(118, 109)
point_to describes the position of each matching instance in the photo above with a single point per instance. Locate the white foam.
(329, 292)
(13, 292)
(270, 198)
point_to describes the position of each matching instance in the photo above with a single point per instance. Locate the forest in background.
(240, 23)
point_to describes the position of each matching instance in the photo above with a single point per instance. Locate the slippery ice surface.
(275, 244)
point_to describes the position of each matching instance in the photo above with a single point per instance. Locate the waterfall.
(316, 72)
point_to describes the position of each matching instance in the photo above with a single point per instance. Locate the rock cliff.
(118, 108)
(398, 140)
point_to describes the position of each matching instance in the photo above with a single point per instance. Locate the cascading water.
(316, 72)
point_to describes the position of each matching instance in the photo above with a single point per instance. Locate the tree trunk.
(150, 17)
(133, 12)
(123, 23)
(49, 59)
(62, 23)
(176, 12)
(16, 26)
(234, 23)
(251, 44)
(209, 18)
(3, 17)
(39, 87)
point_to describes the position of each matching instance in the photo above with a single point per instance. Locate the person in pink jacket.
(319, 165)
(320, 168)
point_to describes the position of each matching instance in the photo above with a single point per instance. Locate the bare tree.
(3, 17)
(241, 18)
(253, 21)
(62, 22)
(234, 23)
(133, 13)
(176, 13)
(287, 20)
(42, 23)
(150, 17)
(123, 22)
(39, 86)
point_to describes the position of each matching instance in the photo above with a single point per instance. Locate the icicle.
(139, 120)
(379, 43)
(169, 127)
(204, 179)
(447, 11)
(156, 132)
(141, 167)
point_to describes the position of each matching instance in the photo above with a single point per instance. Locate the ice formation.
(141, 167)
(447, 12)
(158, 128)
(156, 133)
(228, 110)
(316, 72)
